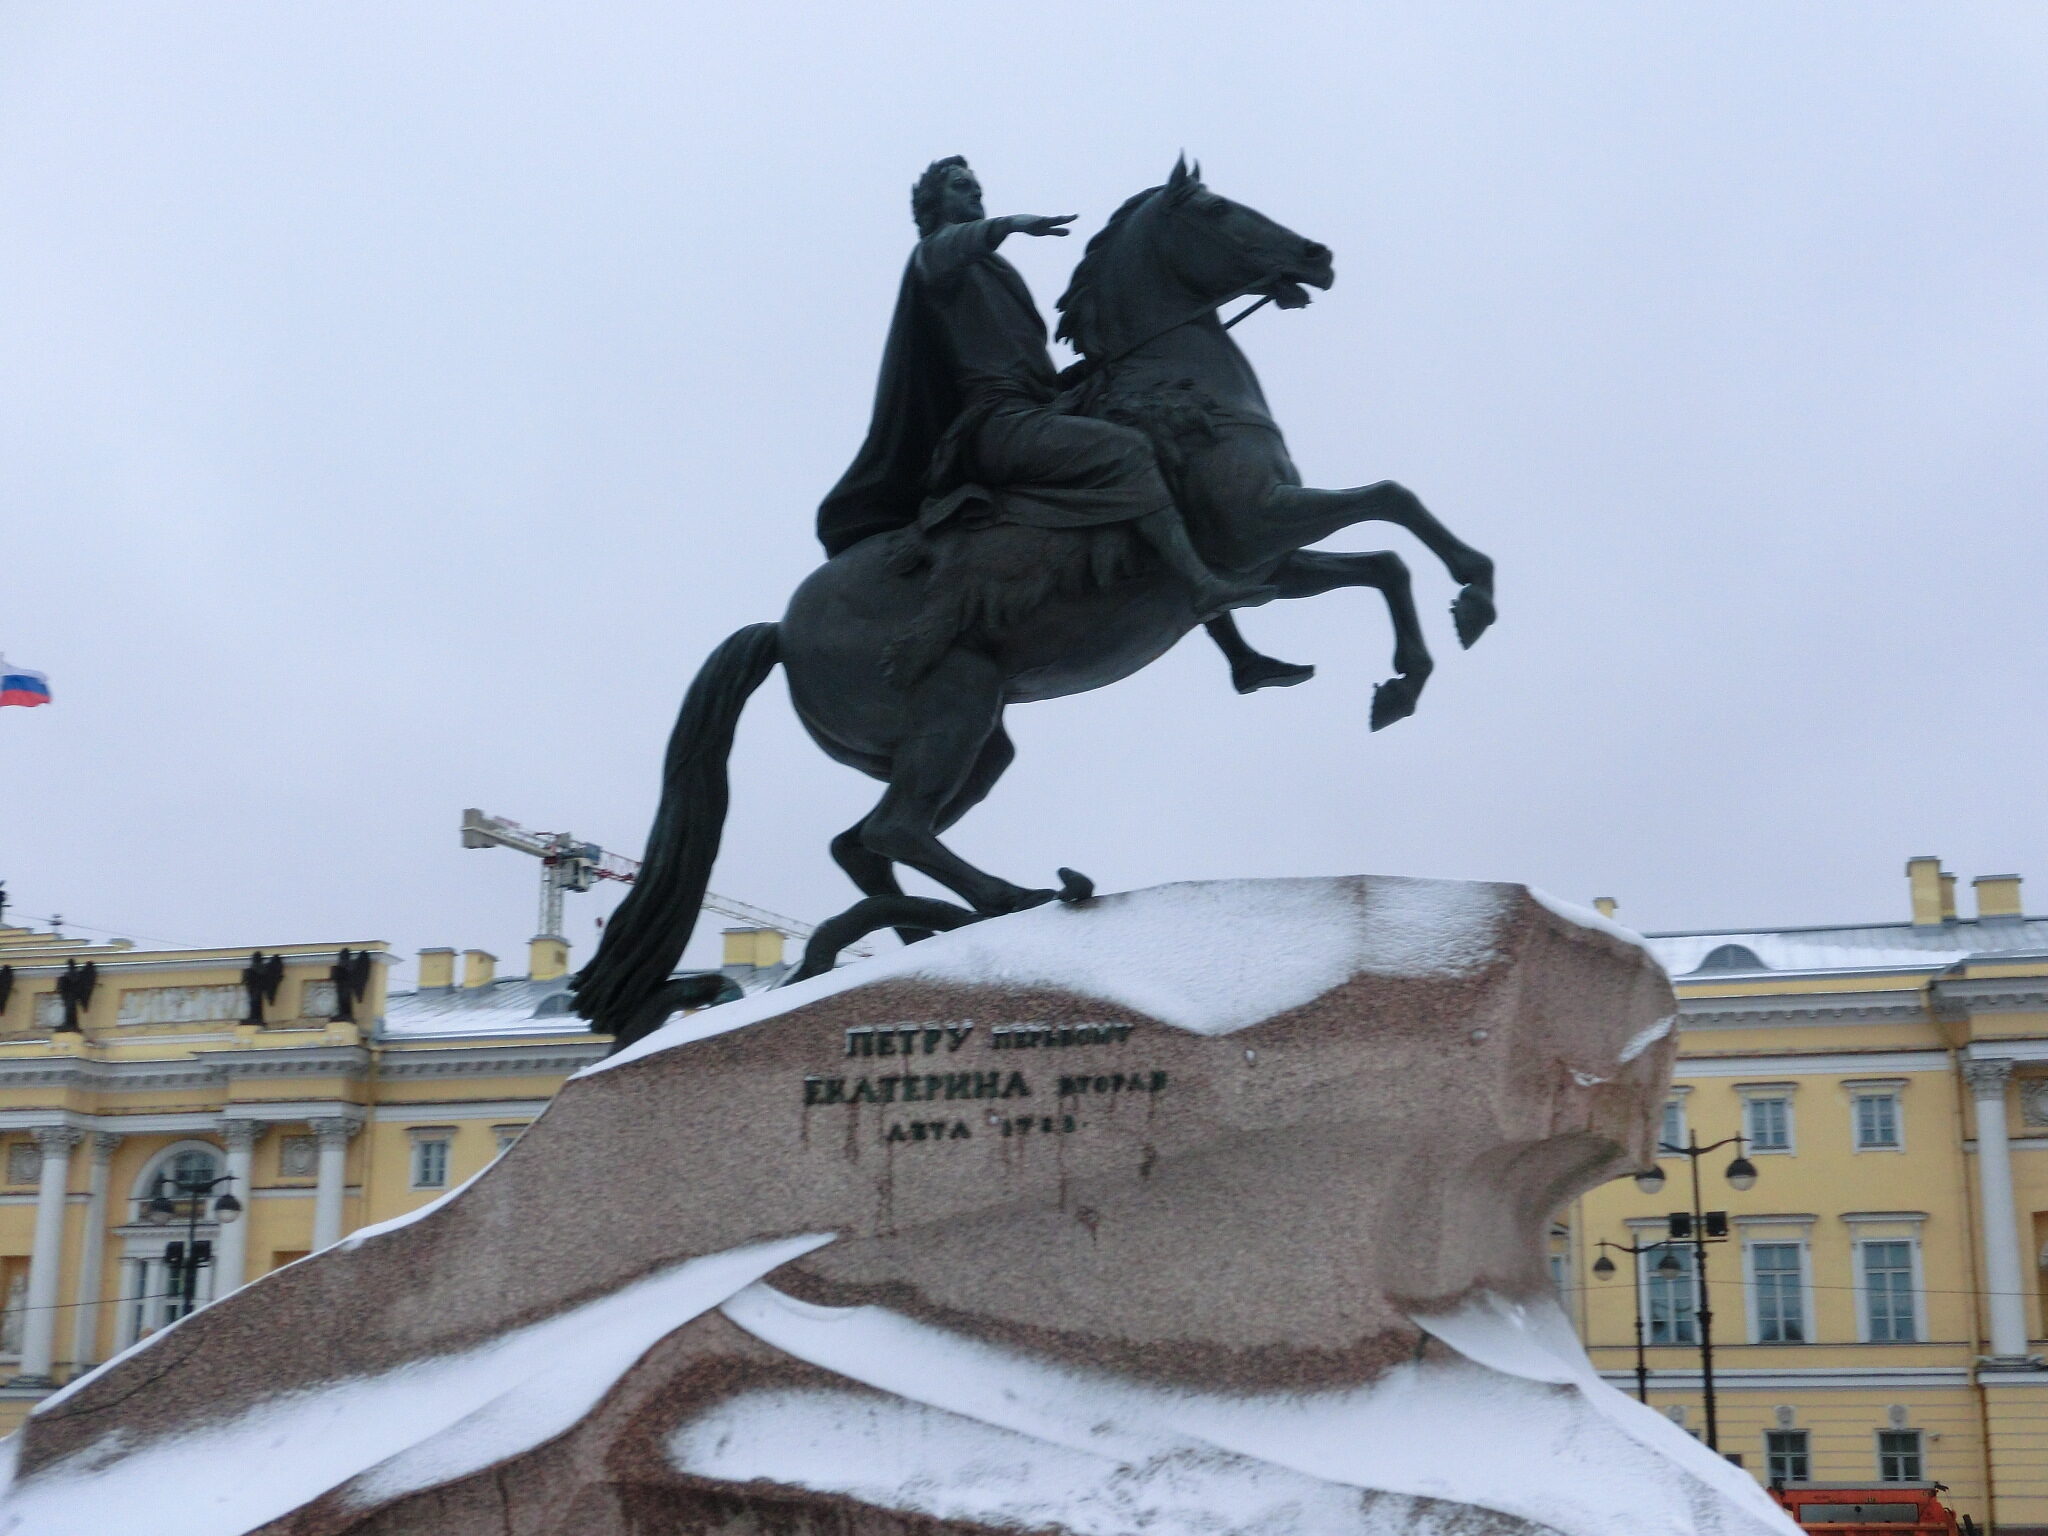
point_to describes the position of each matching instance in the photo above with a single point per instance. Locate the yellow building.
(322, 1123)
(1876, 1306)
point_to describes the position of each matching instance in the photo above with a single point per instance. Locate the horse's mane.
(1081, 305)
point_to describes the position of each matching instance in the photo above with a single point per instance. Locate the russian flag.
(18, 685)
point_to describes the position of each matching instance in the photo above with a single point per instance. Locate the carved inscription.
(1024, 1037)
(906, 1039)
(1109, 1083)
(937, 1087)
(913, 1088)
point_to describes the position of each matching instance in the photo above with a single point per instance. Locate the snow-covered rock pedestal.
(1212, 1208)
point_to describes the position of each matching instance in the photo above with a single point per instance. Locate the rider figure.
(966, 415)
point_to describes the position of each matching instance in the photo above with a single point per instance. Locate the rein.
(1088, 367)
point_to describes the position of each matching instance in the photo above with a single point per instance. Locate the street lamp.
(184, 1260)
(1603, 1269)
(1699, 1227)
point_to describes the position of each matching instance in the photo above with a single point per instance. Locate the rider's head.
(946, 193)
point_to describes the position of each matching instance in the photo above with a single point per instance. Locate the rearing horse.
(1142, 311)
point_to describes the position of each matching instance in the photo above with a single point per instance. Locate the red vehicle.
(1857, 1509)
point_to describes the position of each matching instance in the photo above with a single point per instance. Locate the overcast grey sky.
(397, 401)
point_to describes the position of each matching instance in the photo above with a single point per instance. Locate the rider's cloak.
(966, 414)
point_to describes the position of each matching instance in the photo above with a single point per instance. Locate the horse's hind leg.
(947, 760)
(871, 874)
(1319, 513)
(875, 875)
(1311, 573)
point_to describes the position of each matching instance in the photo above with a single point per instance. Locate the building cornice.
(1962, 995)
(1819, 1063)
(1767, 1010)
(414, 1063)
(1873, 1378)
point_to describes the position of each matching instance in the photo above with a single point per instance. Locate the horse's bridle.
(1088, 367)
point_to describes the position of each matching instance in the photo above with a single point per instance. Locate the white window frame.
(1867, 1227)
(1806, 1438)
(1919, 1454)
(1749, 1093)
(1674, 1097)
(1796, 1231)
(422, 1137)
(1893, 1088)
(1644, 1232)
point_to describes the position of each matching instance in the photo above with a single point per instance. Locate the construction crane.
(570, 864)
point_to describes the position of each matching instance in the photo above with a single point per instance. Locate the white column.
(231, 1243)
(85, 1327)
(2002, 1274)
(39, 1328)
(334, 1133)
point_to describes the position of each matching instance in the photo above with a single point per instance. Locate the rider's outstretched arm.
(947, 250)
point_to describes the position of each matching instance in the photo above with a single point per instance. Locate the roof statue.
(1008, 534)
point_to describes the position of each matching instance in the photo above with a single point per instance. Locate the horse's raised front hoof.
(1075, 886)
(1268, 672)
(1472, 611)
(1394, 700)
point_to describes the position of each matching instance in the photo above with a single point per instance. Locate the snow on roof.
(1854, 947)
(515, 1005)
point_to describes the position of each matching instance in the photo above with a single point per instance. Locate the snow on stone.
(900, 1455)
(1534, 1435)
(1588, 917)
(420, 1425)
(1534, 1340)
(1210, 957)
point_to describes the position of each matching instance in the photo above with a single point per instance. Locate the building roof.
(1853, 947)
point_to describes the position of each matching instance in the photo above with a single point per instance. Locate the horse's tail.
(645, 937)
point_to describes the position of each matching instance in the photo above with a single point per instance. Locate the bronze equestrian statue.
(1007, 534)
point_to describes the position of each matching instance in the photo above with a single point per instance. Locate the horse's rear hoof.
(1472, 612)
(1391, 701)
(1075, 886)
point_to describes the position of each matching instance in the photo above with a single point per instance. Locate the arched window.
(152, 1294)
(1731, 957)
(184, 1162)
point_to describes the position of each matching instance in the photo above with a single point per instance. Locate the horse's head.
(1215, 246)
(1182, 235)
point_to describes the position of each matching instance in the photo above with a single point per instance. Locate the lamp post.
(184, 1260)
(1603, 1269)
(1701, 1227)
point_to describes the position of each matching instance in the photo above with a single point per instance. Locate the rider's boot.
(1213, 594)
(1250, 669)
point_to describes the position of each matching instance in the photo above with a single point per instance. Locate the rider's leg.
(1213, 594)
(1251, 670)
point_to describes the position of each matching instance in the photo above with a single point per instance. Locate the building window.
(1898, 1456)
(1670, 1299)
(1780, 1298)
(1671, 1132)
(1877, 1122)
(1785, 1456)
(1770, 1124)
(24, 1162)
(430, 1162)
(1888, 1292)
(506, 1134)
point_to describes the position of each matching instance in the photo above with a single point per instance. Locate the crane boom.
(570, 864)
